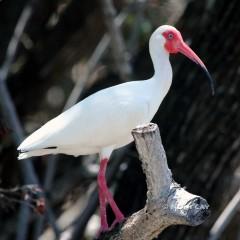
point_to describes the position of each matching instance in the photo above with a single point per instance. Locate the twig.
(225, 217)
(14, 42)
(31, 195)
(167, 203)
(120, 53)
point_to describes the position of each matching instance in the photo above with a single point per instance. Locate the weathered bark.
(167, 203)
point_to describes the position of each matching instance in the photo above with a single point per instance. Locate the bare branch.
(120, 53)
(14, 42)
(225, 218)
(167, 203)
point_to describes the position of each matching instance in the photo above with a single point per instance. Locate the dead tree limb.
(167, 203)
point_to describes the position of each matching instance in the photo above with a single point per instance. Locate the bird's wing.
(99, 120)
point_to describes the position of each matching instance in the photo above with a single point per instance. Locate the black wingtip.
(22, 151)
(52, 147)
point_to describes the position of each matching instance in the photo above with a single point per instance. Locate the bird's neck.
(161, 63)
(162, 77)
(161, 81)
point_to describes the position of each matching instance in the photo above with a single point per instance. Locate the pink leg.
(103, 213)
(107, 194)
(102, 201)
(118, 214)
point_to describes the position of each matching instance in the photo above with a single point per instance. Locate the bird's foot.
(102, 230)
(117, 220)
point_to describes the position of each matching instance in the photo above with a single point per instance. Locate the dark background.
(200, 133)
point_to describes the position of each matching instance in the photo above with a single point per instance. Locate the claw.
(115, 222)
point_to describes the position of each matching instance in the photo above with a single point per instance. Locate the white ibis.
(103, 121)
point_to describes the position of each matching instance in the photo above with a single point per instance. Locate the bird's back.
(103, 119)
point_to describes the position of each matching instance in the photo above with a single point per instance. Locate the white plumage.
(103, 121)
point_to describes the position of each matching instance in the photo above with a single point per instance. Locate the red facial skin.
(174, 44)
(173, 40)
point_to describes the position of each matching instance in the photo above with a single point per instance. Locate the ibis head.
(173, 43)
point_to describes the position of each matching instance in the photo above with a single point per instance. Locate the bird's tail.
(38, 152)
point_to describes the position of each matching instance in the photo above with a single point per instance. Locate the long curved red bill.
(188, 52)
